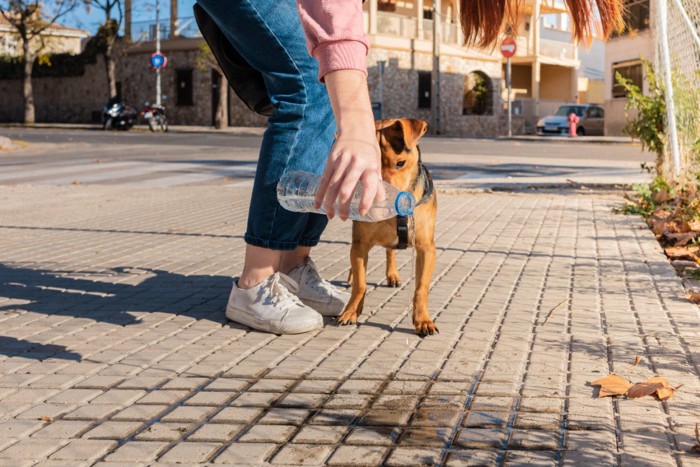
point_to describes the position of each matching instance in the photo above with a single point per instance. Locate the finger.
(323, 185)
(347, 192)
(332, 192)
(370, 183)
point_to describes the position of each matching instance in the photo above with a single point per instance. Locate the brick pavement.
(115, 350)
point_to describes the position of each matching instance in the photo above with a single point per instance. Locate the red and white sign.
(508, 47)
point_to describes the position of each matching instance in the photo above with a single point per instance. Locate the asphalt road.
(60, 156)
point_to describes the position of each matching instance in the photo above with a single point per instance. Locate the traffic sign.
(508, 47)
(158, 60)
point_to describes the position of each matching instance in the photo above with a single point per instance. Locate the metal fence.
(678, 50)
(146, 30)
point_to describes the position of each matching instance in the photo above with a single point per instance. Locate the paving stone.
(472, 457)
(246, 453)
(26, 449)
(476, 419)
(380, 436)
(74, 396)
(163, 397)
(164, 432)
(386, 417)
(84, 450)
(62, 429)
(433, 416)
(302, 400)
(112, 430)
(302, 454)
(359, 386)
(18, 428)
(136, 451)
(480, 438)
(45, 411)
(414, 456)
(534, 440)
(217, 432)
(188, 414)
(320, 434)
(92, 412)
(237, 415)
(284, 416)
(260, 399)
(139, 412)
(358, 455)
(426, 436)
(534, 458)
(542, 421)
(268, 434)
(190, 452)
(210, 398)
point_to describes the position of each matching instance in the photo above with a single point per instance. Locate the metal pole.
(510, 107)
(158, 90)
(662, 19)
(435, 91)
(381, 88)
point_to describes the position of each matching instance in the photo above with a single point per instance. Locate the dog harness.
(402, 221)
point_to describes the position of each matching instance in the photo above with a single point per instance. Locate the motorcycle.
(155, 115)
(116, 115)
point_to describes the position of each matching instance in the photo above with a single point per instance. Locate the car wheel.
(580, 131)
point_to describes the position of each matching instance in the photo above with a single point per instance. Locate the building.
(57, 39)
(623, 54)
(472, 90)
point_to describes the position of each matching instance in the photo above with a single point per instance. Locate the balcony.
(557, 50)
(143, 31)
(406, 27)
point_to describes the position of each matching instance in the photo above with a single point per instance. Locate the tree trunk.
(111, 70)
(27, 91)
(221, 119)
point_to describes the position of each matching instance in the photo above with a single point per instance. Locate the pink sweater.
(335, 34)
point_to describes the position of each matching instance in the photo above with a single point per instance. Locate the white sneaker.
(318, 293)
(271, 306)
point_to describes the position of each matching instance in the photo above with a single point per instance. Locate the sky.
(142, 10)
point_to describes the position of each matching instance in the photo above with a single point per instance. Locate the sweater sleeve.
(335, 34)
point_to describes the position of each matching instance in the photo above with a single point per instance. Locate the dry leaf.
(643, 389)
(637, 359)
(46, 418)
(665, 394)
(612, 385)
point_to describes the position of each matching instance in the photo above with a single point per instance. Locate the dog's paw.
(425, 327)
(393, 280)
(348, 317)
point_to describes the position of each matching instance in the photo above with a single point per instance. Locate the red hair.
(483, 20)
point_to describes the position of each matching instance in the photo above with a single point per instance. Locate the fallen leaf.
(76, 182)
(612, 385)
(46, 418)
(637, 359)
(551, 312)
(643, 389)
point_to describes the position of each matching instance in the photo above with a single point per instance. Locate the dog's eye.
(400, 164)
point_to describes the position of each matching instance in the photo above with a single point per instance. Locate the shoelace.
(279, 293)
(318, 280)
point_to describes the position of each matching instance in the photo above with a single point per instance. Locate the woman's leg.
(268, 34)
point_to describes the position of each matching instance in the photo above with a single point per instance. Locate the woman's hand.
(355, 155)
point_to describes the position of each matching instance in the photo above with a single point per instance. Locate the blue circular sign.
(158, 60)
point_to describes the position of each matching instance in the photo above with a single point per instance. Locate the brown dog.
(401, 167)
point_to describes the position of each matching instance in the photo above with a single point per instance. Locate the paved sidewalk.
(114, 349)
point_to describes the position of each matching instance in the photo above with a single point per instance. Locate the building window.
(386, 5)
(631, 71)
(424, 79)
(635, 16)
(478, 94)
(184, 88)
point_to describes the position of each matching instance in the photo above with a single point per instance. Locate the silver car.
(591, 120)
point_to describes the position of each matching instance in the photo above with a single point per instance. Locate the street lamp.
(158, 90)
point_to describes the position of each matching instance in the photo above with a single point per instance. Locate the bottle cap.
(405, 202)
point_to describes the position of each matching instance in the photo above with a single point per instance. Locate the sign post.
(508, 48)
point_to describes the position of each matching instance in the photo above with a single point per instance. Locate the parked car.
(591, 120)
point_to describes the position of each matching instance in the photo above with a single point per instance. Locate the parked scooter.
(155, 115)
(116, 115)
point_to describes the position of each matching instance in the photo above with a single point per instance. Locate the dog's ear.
(412, 130)
(401, 133)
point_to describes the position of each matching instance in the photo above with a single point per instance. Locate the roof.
(53, 27)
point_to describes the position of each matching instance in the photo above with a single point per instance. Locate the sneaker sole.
(323, 308)
(241, 317)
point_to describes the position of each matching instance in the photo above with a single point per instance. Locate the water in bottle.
(296, 191)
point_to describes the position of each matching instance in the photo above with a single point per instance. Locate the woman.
(280, 290)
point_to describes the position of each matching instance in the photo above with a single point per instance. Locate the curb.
(577, 140)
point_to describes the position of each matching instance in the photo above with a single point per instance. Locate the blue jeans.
(299, 136)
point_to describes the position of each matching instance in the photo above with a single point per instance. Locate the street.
(68, 156)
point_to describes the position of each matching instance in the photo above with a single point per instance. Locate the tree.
(31, 19)
(207, 61)
(108, 33)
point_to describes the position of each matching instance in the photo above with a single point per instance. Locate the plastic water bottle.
(296, 191)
